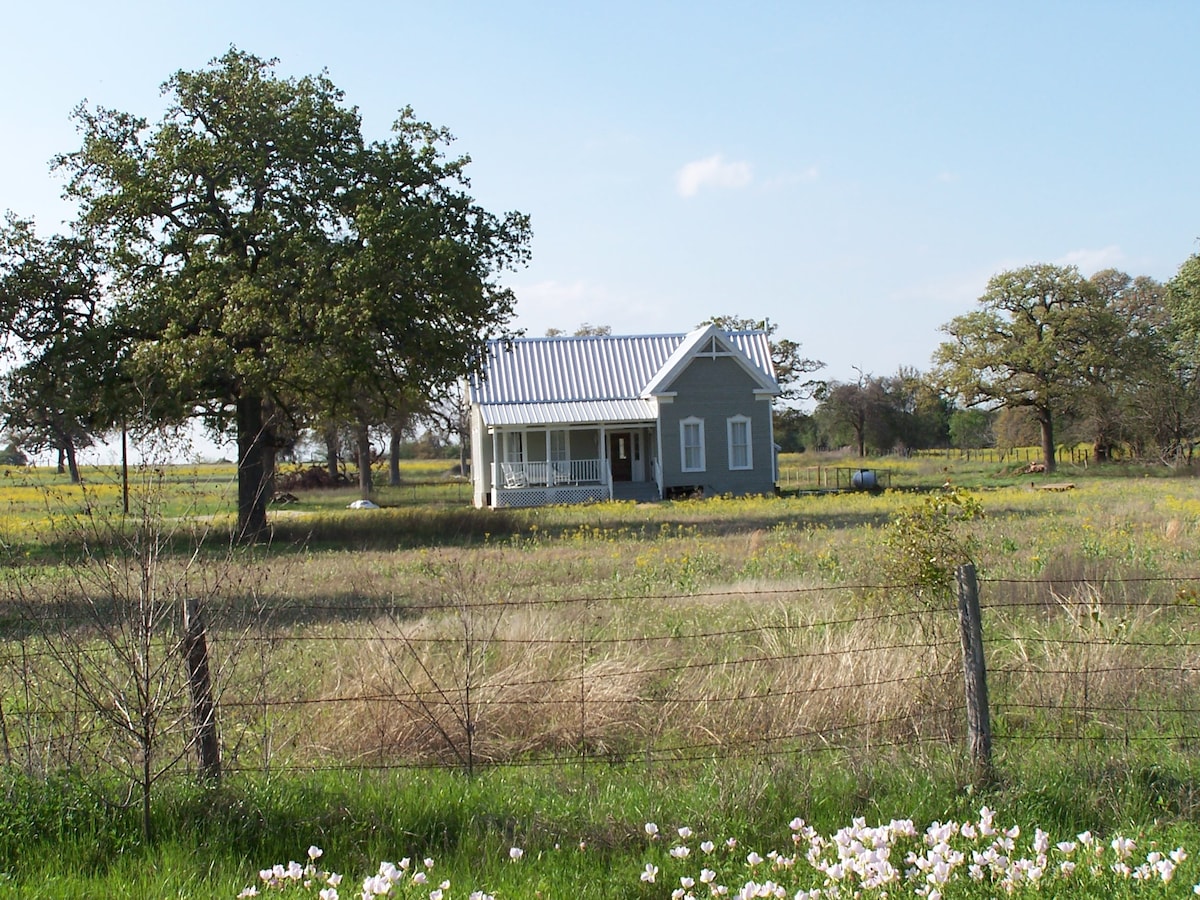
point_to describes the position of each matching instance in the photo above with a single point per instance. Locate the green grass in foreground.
(64, 839)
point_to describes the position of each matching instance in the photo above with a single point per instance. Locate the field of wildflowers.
(896, 859)
(743, 659)
(975, 858)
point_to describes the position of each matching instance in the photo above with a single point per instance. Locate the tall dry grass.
(480, 677)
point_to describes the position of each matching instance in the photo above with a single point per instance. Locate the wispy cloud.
(714, 171)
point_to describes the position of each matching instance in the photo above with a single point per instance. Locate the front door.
(620, 455)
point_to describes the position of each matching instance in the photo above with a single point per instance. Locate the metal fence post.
(979, 728)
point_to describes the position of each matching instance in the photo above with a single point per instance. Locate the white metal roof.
(579, 380)
(572, 412)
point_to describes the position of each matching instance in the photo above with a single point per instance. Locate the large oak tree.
(1037, 333)
(272, 263)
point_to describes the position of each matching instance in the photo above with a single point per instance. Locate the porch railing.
(542, 473)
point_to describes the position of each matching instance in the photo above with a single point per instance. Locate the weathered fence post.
(204, 710)
(979, 728)
(8, 757)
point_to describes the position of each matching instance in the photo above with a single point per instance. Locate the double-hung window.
(691, 444)
(740, 451)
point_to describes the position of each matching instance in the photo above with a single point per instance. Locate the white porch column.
(605, 468)
(495, 467)
(658, 430)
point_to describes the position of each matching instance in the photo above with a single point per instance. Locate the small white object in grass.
(362, 504)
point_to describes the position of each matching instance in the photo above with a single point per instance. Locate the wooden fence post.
(204, 710)
(979, 728)
(8, 757)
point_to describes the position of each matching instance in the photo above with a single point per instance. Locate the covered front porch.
(537, 466)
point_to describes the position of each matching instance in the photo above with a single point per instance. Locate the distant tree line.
(1047, 358)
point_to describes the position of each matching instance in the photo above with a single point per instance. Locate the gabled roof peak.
(711, 341)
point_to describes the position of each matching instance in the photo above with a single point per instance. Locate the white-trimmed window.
(691, 444)
(741, 454)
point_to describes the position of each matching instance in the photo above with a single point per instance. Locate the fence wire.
(649, 678)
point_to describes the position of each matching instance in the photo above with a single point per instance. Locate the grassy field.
(701, 633)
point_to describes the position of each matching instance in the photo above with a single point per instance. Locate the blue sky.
(853, 171)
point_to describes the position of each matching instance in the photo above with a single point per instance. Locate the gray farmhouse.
(576, 419)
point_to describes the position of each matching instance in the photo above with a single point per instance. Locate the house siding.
(716, 390)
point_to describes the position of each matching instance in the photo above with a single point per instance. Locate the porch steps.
(638, 491)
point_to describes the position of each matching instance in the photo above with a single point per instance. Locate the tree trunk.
(394, 457)
(72, 460)
(365, 484)
(332, 456)
(252, 480)
(1047, 426)
(270, 458)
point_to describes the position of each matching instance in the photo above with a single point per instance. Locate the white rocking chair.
(513, 477)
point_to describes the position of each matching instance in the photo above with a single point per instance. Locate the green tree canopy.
(898, 412)
(1174, 406)
(270, 262)
(971, 429)
(1129, 370)
(1027, 345)
(855, 411)
(59, 393)
(1183, 299)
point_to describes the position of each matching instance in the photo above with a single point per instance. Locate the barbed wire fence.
(647, 680)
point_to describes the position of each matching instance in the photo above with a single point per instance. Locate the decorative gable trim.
(710, 343)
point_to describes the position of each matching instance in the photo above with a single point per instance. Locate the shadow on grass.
(392, 529)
